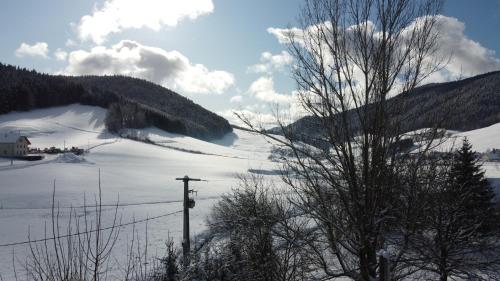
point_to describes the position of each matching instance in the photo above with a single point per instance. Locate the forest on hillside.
(463, 105)
(143, 102)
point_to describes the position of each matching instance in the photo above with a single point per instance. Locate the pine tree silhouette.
(468, 180)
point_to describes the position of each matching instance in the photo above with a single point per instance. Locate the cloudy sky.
(224, 54)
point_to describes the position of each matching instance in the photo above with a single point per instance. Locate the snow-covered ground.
(482, 139)
(131, 172)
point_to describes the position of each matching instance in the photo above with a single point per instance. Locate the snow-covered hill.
(482, 139)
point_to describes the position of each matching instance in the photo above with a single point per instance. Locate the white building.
(13, 145)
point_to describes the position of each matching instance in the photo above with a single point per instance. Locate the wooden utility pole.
(186, 247)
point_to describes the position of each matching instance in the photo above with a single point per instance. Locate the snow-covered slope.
(76, 124)
(481, 139)
(131, 171)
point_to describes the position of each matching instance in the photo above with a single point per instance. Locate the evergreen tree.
(468, 179)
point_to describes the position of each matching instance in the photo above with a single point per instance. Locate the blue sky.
(218, 53)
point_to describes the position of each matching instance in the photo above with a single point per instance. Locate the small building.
(13, 145)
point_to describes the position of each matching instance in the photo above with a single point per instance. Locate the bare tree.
(361, 190)
(80, 250)
(249, 237)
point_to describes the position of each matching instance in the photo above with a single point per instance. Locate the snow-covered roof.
(9, 137)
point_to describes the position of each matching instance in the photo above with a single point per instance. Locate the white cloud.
(270, 104)
(263, 115)
(270, 62)
(236, 99)
(467, 57)
(169, 68)
(60, 55)
(70, 43)
(266, 120)
(288, 106)
(39, 49)
(284, 34)
(263, 89)
(117, 15)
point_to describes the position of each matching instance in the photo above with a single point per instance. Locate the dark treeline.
(126, 114)
(463, 105)
(22, 89)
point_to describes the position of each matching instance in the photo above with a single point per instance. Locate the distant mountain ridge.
(463, 105)
(153, 105)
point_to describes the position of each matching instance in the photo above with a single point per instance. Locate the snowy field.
(132, 173)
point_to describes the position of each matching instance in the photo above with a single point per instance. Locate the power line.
(92, 206)
(90, 231)
(123, 204)
(105, 205)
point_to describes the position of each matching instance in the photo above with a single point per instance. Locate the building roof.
(9, 137)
